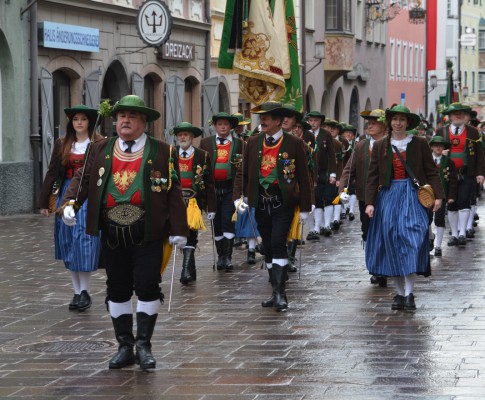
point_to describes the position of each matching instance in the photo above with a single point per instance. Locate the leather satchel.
(426, 196)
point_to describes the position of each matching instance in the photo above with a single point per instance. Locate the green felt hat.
(456, 107)
(295, 113)
(241, 119)
(413, 119)
(91, 113)
(440, 140)
(348, 127)
(333, 122)
(272, 108)
(234, 121)
(315, 114)
(137, 104)
(187, 127)
(305, 125)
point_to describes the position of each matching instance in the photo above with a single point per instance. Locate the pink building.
(406, 62)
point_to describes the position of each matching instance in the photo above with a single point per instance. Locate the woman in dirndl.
(398, 240)
(79, 251)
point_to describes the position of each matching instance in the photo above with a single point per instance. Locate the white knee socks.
(328, 216)
(462, 221)
(117, 309)
(453, 221)
(148, 307)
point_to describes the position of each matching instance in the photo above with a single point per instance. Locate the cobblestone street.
(338, 340)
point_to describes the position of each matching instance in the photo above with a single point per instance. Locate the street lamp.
(319, 54)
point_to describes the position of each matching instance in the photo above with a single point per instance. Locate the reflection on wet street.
(339, 339)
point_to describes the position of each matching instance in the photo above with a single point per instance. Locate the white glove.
(313, 209)
(69, 216)
(344, 196)
(179, 241)
(241, 206)
(211, 216)
(303, 217)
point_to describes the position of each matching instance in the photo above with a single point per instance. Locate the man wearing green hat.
(349, 132)
(356, 170)
(135, 198)
(468, 157)
(333, 211)
(326, 170)
(275, 180)
(198, 191)
(240, 128)
(225, 151)
(449, 182)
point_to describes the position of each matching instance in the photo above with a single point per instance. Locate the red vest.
(185, 165)
(223, 151)
(269, 159)
(458, 143)
(398, 167)
(75, 162)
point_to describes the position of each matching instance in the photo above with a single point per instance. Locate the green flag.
(231, 35)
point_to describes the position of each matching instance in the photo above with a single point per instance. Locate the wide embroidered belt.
(125, 214)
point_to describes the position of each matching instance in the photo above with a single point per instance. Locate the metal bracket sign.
(154, 22)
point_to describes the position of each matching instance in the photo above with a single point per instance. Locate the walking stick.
(213, 247)
(301, 250)
(173, 273)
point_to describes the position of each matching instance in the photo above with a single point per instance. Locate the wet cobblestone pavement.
(338, 340)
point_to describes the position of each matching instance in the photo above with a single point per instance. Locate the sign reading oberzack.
(69, 37)
(154, 22)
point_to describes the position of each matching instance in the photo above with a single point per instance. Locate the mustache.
(125, 126)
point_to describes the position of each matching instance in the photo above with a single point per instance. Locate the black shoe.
(409, 304)
(476, 217)
(228, 246)
(251, 257)
(431, 244)
(84, 301)
(374, 279)
(327, 232)
(453, 241)
(313, 236)
(398, 302)
(260, 249)
(292, 268)
(221, 258)
(461, 240)
(270, 302)
(437, 252)
(470, 234)
(238, 242)
(343, 216)
(335, 225)
(73, 305)
(351, 217)
(382, 281)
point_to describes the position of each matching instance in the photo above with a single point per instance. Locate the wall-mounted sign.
(154, 22)
(179, 51)
(69, 37)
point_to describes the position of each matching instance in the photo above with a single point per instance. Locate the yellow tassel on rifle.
(295, 229)
(336, 200)
(194, 216)
(167, 252)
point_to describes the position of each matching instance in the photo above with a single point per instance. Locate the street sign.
(154, 22)
(468, 39)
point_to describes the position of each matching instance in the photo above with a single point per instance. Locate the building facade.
(16, 166)
(84, 51)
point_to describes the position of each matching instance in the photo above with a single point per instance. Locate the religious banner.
(251, 48)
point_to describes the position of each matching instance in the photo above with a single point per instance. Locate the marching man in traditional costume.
(326, 170)
(198, 191)
(468, 157)
(135, 197)
(225, 151)
(276, 180)
(447, 171)
(357, 168)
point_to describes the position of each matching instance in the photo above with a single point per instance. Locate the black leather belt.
(271, 191)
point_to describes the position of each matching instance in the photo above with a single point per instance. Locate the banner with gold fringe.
(167, 252)
(295, 229)
(263, 59)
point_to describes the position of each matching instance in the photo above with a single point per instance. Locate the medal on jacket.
(101, 173)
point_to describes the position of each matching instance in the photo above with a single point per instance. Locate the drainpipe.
(303, 55)
(207, 62)
(35, 138)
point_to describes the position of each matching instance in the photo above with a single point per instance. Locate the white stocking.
(399, 282)
(76, 284)
(117, 309)
(471, 218)
(453, 221)
(85, 280)
(409, 283)
(148, 307)
(337, 209)
(328, 216)
(352, 203)
(462, 221)
(318, 219)
(440, 231)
